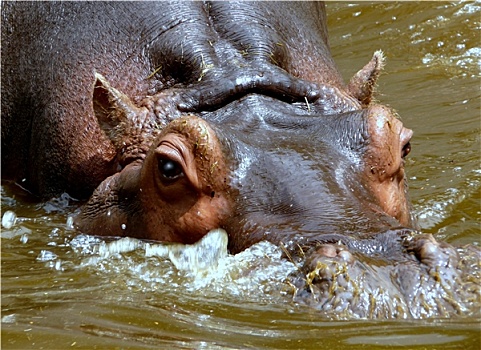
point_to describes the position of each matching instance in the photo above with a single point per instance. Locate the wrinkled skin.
(428, 278)
(225, 115)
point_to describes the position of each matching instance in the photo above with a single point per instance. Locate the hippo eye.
(169, 169)
(406, 150)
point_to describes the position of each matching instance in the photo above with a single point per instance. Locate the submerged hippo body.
(177, 118)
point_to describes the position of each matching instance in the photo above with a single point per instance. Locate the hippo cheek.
(384, 162)
(183, 183)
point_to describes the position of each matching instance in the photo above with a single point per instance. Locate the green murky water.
(56, 296)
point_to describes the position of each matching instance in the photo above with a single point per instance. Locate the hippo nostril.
(406, 150)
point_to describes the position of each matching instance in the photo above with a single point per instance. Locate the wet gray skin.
(298, 178)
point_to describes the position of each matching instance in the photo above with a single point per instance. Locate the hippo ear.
(114, 110)
(361, 85)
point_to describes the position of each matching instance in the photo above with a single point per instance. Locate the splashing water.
(259, 270)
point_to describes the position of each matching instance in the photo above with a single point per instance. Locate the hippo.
(170, 119)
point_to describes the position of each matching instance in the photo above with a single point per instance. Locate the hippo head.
(299, 177)
(258, 167)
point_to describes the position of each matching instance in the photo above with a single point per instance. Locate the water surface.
(55, 296)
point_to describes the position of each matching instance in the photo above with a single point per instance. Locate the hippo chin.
(210, 115)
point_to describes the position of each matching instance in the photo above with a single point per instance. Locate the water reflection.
(132, 301)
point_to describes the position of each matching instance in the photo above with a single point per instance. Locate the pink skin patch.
(384, 162)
